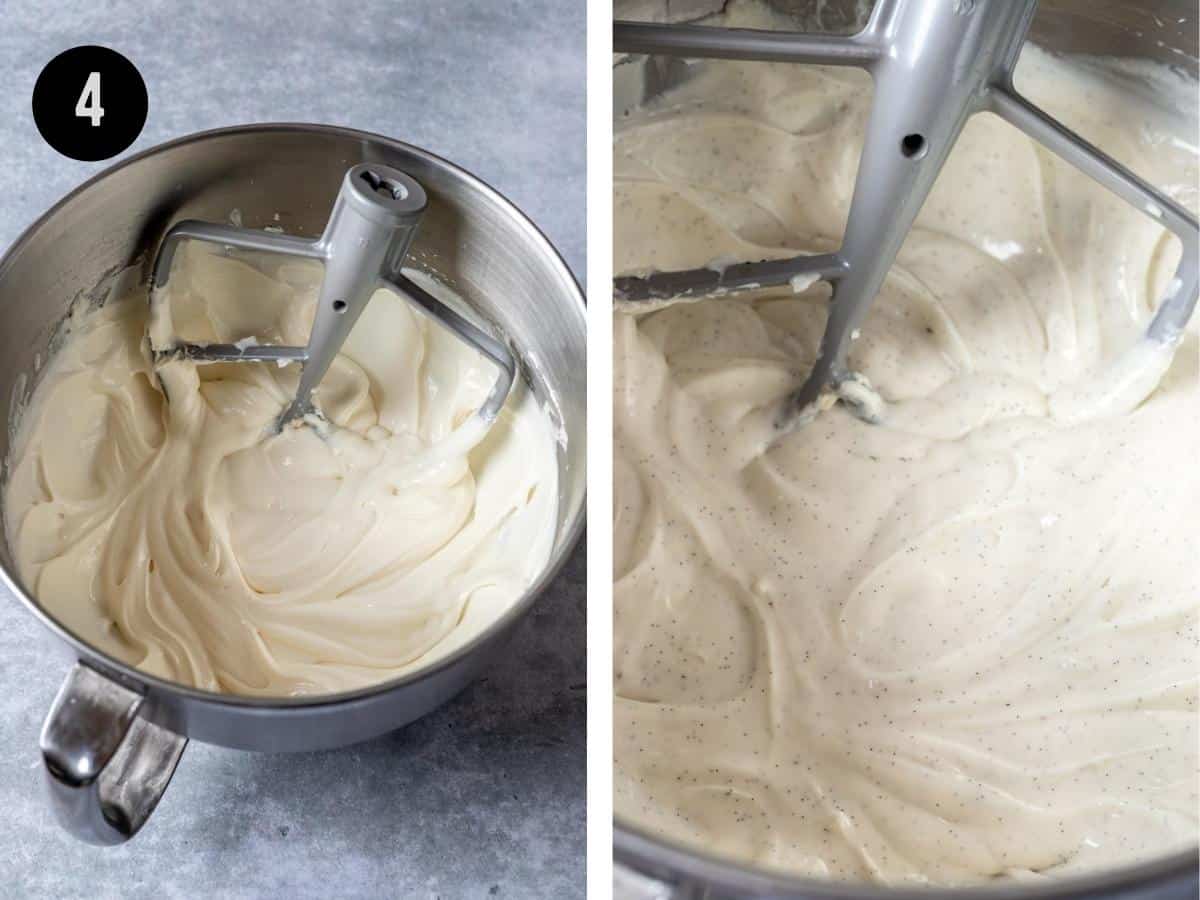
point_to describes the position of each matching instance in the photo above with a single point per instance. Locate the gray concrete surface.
(484, 798)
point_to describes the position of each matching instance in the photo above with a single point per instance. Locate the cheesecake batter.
(185, 539)
(957, 645)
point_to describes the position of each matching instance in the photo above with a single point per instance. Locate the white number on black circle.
(88, 105)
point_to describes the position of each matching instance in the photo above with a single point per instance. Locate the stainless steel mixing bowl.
(114, 734)
(652, 868)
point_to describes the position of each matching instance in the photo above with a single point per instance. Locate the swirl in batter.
(958, 645)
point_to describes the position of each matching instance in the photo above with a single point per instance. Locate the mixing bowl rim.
(510, 617)
(653, 855)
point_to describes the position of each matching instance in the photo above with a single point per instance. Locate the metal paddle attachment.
(934, 64)
(370, 229)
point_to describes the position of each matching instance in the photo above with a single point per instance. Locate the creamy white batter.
(182, 538)
(956, 645)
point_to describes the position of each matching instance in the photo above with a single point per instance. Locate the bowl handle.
(106, 766)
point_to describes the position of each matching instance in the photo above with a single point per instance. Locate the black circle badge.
(90, 103)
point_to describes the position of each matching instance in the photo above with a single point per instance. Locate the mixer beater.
(934, 64)
(363, 247)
